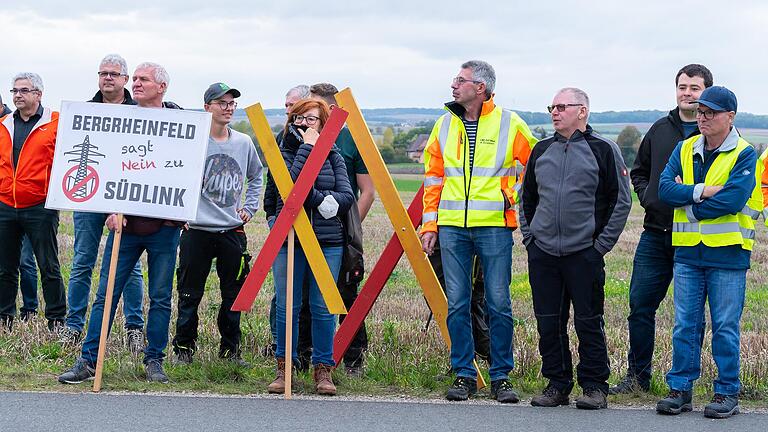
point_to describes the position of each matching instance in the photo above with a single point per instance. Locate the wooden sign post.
(108, 303)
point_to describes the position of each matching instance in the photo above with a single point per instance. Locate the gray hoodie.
(227, 166)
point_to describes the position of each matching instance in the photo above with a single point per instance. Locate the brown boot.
(323, 382)
(278, 385)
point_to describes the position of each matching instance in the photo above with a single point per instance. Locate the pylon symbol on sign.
(81, 181)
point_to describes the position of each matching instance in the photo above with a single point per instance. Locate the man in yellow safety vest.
(710, 180)
(470, 190)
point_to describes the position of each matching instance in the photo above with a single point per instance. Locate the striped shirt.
(471, 128)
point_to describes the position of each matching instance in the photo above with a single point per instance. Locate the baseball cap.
(718, 98)
(217, 90)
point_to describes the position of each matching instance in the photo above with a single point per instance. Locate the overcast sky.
(396, 53)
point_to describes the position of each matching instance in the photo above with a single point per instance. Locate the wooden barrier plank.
(292, 208)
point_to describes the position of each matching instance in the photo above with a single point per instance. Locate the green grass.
(402, 359)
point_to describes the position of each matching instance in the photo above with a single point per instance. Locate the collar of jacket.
(458, 110)
(677, 122)
(729, 144)
(99, 97)
(576, 134)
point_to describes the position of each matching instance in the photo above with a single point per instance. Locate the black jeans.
(651, 275)
(354, 356)
(41, 226)
(480, 332)
(556, 283)
(197, 249)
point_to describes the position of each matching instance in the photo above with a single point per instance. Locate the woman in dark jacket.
(327, 202)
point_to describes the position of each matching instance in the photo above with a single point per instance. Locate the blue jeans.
(161, 259)
(725, 290)
(323, 323)
(28, 277)
(651, 275)
(88, 230)
(493, 245)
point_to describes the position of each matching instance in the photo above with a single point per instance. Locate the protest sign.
(126, 159)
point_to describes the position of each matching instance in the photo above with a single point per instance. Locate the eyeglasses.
(113, 75)
(297, 119)
(709, 115)
(461, 80)
(225, 105)
(561, 107)
(23, 90)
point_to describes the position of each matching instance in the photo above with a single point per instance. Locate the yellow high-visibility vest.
(478, 199)
(727, 230)
(762, 180)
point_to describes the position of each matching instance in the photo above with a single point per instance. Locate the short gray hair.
(161, 75)
(301, 90)
(579, 94)
(34, 78)
(482, 71)
(116, 60)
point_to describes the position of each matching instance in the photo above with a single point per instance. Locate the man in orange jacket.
(27, 141)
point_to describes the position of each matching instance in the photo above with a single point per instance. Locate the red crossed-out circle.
(70, 192)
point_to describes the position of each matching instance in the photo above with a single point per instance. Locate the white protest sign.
(125, 159)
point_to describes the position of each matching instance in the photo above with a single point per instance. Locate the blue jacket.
(730, 200)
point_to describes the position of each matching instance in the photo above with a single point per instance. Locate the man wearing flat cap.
(218, 232)
(710, 181)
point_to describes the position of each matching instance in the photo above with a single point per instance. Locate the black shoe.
(78, 373)
(237, 360)
(551, 397)
(592, 399)
(303, 363)
(461, 389)
(183, 357)
(155, 372)
(55, 326)
(28, 315)
(675, 403)
(630, 384)
(502, 391)
(722, 406)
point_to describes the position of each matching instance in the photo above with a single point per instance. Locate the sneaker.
(78, 373)
(502, 391)
(551, 397)
(183, 357)
(675, 403)
(629, 385)
(722, 406)
(69, 336)
(155, 372)
(592, 399)
(461, 389)
(238, 360)
(135, 341)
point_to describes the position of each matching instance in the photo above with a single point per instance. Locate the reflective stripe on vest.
(432, 181)
(727, 230)
(428, 217)
(477, 199)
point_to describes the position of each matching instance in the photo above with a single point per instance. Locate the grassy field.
(403, 359)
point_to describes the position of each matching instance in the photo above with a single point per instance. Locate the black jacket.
(652, 156)
(4, 110)
(99, 98)
(332, 180)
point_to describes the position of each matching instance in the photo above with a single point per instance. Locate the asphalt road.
(139, 412)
